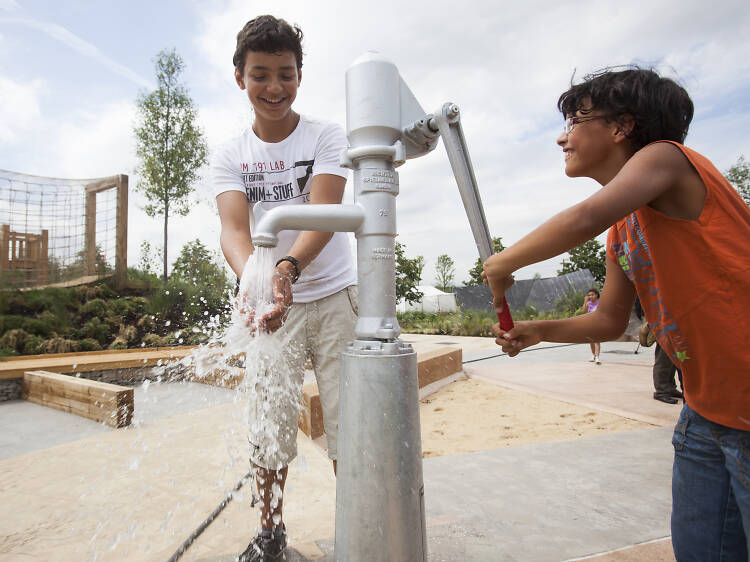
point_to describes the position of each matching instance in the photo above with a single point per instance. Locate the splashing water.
(261, 366)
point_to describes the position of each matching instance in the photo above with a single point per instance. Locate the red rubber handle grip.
(504, 317)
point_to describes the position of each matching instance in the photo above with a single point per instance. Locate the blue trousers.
(710, 491)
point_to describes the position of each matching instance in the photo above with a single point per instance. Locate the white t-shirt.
(280, 173)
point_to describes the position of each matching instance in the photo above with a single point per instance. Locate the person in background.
(665, 388)
(590, 303)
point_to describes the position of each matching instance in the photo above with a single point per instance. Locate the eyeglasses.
(571, 122)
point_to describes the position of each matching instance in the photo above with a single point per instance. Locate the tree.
(590, 255)
(739, 176)
(408, 275)
(445, 272)
(475, 273)
(197, 264)
(170, 146)
(149, 258)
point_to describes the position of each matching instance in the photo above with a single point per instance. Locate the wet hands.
(282, 297)
(271, 321)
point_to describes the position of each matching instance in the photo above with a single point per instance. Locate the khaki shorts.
(319, 330)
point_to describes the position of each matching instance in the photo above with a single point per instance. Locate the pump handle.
(447, 120)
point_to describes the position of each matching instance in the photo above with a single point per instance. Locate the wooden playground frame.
(28, 252)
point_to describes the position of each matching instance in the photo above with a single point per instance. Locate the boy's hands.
(282, 296)
(281, 283)
(523, 335)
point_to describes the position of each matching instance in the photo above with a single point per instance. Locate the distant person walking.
(590, 303)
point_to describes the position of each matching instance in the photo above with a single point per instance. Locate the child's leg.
(597, 349)
(710, 494)
(271, 491)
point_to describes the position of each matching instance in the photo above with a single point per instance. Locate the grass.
(480, 322)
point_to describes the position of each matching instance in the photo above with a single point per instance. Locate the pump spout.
(326, 218)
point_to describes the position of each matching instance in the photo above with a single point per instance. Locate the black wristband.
(294, 262)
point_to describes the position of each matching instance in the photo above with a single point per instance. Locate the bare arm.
(235, 229)
(324, 189)
(606, 323)
(658, 174)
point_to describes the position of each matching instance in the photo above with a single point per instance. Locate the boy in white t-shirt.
(287, 159)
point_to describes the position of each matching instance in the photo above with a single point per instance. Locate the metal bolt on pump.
(379, 487)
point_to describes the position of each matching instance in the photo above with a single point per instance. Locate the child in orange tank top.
(679, 238)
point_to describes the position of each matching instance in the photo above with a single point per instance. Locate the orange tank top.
(693, 281)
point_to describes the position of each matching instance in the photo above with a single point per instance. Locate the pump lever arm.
(448, 122)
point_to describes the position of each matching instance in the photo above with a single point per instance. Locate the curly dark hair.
(268, 34)
(660, 108)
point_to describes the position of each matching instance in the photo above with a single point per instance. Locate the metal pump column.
(379, 489)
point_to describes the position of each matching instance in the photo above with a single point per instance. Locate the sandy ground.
(471, 415)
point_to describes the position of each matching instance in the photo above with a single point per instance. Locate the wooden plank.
(100, 401)
(102, 184)
(438, 364)
(310, 419)
(100, 352)
(14, 367)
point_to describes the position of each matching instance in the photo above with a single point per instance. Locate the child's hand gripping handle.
(504, 317)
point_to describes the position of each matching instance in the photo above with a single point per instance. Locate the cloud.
(81, 46)
(504, 64)
(20, 107)
(9, 6)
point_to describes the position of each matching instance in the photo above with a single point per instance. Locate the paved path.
(137, 493)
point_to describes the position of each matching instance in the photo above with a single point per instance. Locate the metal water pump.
(379, 491)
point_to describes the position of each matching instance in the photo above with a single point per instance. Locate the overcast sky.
(70, 73)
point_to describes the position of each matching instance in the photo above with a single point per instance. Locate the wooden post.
(89, 247)
(4, 257)
(121, 241)
(44, 259)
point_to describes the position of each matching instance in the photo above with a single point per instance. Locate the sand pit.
(471, 415)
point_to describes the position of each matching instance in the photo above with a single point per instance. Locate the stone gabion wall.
(10, 389)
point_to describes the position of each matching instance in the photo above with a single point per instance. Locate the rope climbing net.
(63, 232)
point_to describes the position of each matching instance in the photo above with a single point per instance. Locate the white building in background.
(433, 300)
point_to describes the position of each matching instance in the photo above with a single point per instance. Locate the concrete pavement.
(137, 493)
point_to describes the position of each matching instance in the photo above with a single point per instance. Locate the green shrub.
(15, 339)
(154, 340)
(12, 302)
(94, 308)
(128, 333)
(57, 300)
(38, 327)
(89, 344)
(118, 343)
(95, 329)
(60, 345)
(146, 324)
(7, 352)
(11, 322)
(34, 345)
